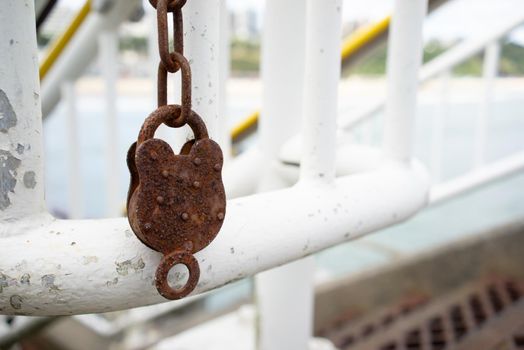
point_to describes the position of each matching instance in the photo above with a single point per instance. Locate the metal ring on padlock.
(169, 115)
(162, 272)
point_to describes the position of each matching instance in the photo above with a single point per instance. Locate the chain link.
(172, 62)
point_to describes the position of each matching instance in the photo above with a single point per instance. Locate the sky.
(459, 18)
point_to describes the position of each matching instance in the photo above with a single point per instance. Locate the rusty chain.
(172, 62)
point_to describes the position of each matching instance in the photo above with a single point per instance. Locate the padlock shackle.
(169, 115)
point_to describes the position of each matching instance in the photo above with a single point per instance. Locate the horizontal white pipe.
(241, 174)
(440, 64)
(489, 173)
(86, 266)
(81, 50)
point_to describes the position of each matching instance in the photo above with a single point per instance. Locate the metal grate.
(483, 316)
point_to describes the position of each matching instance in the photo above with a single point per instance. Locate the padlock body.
(178, 201)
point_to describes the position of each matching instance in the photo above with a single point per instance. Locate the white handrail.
(442, 63)
(486, 174)
(82, 49)
(87, 266)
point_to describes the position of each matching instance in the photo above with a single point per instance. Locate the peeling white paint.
(21, 166)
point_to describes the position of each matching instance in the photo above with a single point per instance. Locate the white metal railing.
(98, 265)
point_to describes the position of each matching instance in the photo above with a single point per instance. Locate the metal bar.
(352, 45)
(73, 152)
(44, 13)
(23, 328)
(443, 62)
(88, 266)
(403, 62)
(21, 165)
(282, 320)
(437, 128)
(322, 74)
(58, 46)
(202, 49)
(39, 6)
(108, 42)
(490, 72)
(285, 295)
(495, 171)
(363, 36)
(224, 61)
(81, 50)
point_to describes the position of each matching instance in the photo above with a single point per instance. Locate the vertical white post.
(284, 294)
(404, 59)
(283, 48)
(319, 126)
(224, 59)
(490, 72)
(108, 42)
(202, 45)
(21, 163)
(437, 127)
(74, 173)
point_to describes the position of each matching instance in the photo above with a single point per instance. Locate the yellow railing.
(354, 42)
(61, 42)
(363, 36)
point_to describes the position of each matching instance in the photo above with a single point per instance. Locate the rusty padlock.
(176, 203)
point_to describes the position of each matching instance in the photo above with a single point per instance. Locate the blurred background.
(450, 103)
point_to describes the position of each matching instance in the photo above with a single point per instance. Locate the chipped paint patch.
(8, 167)
(6, 281)
(25, 279)
(89, 259)
(16, 301)
(122, 268)
(48, 281)
(29, 179)
(112, 283)
(7, 114)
